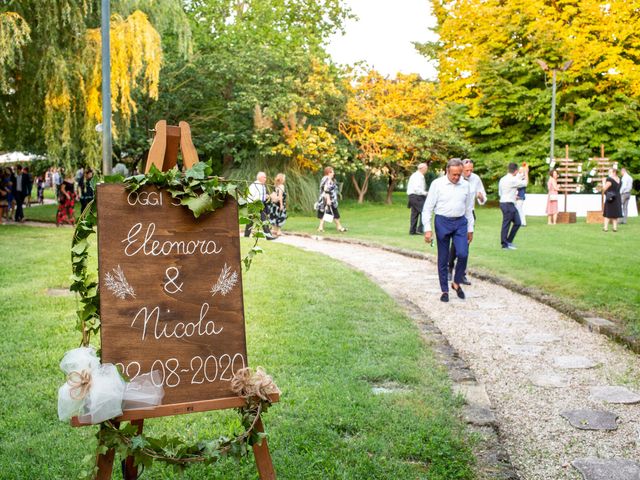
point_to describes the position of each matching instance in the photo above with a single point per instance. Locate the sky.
(383, 35)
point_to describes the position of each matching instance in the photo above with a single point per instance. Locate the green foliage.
(241, 102)
(500, 98)
(174, 451)
(51, 105)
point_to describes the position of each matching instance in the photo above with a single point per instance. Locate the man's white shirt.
(626, 183)
(257, 191)
(417, 184)
(508, 187)
(475, 183)
(449, 200)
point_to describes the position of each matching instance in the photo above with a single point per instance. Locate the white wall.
(535, 204)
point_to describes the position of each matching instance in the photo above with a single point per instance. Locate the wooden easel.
(164, 154)
(603, 164)
(568, 173)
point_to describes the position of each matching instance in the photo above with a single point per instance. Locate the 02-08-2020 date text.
(200, 369)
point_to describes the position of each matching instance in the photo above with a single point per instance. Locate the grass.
(593, 270)
(325, 333)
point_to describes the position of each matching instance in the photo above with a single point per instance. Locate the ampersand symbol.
(170, 286)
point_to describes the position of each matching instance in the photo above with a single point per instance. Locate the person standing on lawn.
(258, 191)
(626, 183)
(508, 191)
(479, 193)
(451, 200)
(416, 196)
(22, 187)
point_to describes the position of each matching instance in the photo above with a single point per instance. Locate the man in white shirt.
(451, 200)
(508, 190)
(416, 196)
(626, 184)
(258, 191)
(479, 193)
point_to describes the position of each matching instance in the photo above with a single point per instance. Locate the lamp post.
(106, 87)
(564, 68)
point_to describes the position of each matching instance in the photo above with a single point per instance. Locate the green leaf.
(199, 171)
(198, 205)
(113, 178)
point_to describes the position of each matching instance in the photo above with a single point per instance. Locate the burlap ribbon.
(248, 384)
(80, 383)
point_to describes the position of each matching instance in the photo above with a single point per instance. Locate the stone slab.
(474, 394)
(524, 350)
(607, 469)
(541, 338)
(591, 419)
(549, 380)
(595, 324)
(573, 361)
(614, 394)
(480, 416)
(491, 306)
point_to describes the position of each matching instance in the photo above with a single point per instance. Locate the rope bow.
(248, 384)
(80, 383)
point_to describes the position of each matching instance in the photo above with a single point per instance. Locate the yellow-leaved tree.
(136, 58)
(14, 34)
(489, 54)
(50, 74)
(392, 125)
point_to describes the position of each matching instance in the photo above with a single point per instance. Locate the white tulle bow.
(96, 392)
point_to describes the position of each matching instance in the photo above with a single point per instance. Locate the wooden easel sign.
(171, 295)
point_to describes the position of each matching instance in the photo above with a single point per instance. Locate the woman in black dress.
(612, 202)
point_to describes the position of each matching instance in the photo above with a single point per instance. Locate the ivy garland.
(201, 193)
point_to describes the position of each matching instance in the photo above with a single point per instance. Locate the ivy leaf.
(113, 178)
(199, 171)
(138, 442)
(198, 205)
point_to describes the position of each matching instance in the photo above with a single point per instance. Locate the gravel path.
(509, 341)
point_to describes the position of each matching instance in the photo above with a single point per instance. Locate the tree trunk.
(362, 190)
(390, 188)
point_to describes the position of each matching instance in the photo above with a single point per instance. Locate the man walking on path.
(626, 183)
(451, 200)
(508, 190)
(258, 191)
(417, 194)
(479, 193)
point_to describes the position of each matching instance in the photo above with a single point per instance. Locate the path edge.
(610, 329)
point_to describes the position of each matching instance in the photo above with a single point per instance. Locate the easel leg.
(263, 457)
(104, 462)
(131, 470)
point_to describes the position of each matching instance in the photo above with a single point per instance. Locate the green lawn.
(580, 263)
(46, 213)
(325, 333)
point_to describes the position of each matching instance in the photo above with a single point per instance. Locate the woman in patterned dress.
(278, 205)
(328, 201)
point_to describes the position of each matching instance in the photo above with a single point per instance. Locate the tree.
(394, 124)
(499, 96)
(53, 102)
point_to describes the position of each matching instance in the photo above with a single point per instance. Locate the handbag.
(328, 215)
(610, 196)
(553, 197)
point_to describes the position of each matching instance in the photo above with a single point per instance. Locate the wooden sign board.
(170, 292)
